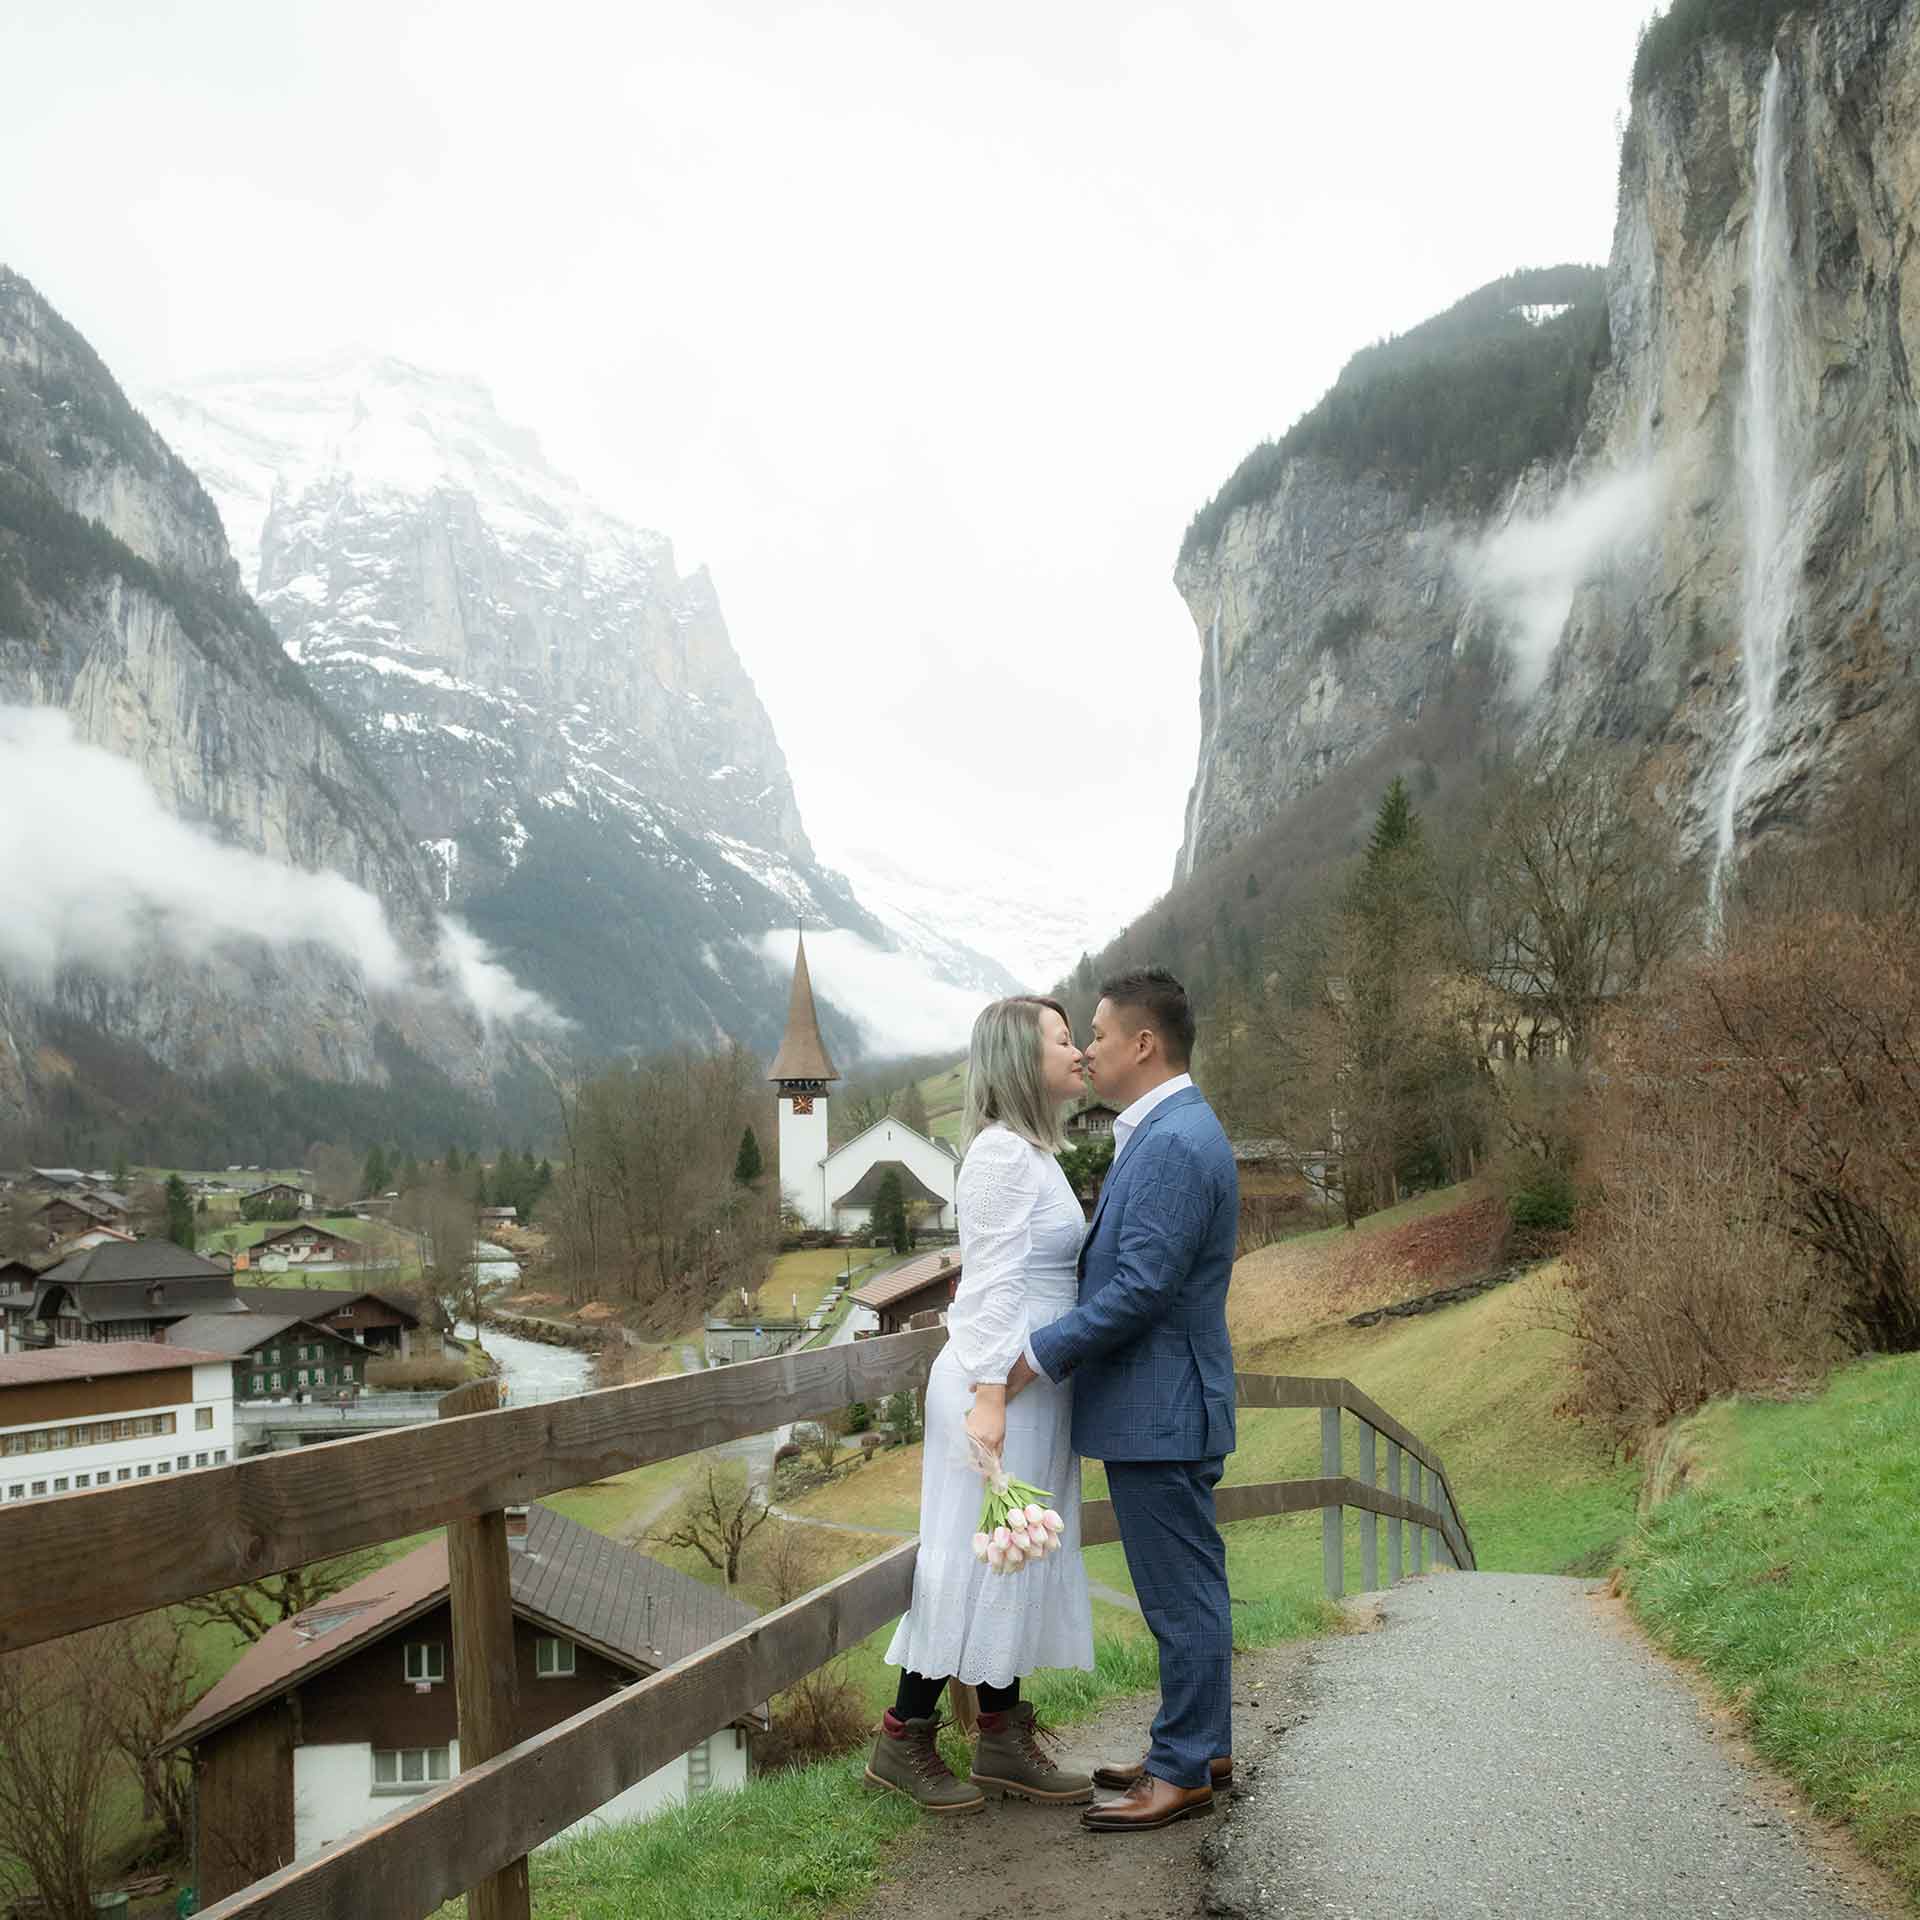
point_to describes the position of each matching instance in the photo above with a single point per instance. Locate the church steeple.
(803, 1062)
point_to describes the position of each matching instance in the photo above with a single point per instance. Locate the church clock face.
(803, 1103)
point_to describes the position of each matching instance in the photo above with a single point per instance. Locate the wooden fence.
(78, 1560)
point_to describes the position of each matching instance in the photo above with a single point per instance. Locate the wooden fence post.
(1417, 1536)
(1394, 1567)
(486, 1684)
(1333, 1519)
(1370, 1521)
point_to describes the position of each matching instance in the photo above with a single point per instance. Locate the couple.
(1064, 1340)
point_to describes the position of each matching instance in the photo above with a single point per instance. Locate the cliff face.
(1722, 566)
(120, 606)
(572, 739)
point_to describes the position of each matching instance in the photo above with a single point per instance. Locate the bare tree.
(58, 1766)
(716, 1522)
(446, 1218)
(154, 1677)
(255, 1608)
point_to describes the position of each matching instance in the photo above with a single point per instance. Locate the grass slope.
(943, 1093)
(1787, 1571)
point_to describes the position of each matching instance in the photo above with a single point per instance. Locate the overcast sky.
(927, 328)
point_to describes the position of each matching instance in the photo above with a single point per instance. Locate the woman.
(1020, 1234)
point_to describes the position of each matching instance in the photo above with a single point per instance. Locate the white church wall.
(893, 1140)
(803, 1146)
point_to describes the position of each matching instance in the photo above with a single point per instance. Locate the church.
(834, 1188)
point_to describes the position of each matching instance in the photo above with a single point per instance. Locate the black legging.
(919, 1696)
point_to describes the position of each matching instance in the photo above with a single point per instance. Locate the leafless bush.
(821, 1716)
(424, 1373)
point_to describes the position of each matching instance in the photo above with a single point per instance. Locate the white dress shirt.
(1124, 1128)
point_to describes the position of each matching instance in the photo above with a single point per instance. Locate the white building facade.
(928, 1161)
(76, 1418)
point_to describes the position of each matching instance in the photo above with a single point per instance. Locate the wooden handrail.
(65, 1565)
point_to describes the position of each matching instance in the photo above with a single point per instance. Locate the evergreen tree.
(179, 1212)
(374, 1175)
(890, 1214)
(454, 1162)
(480, 1186)
(1396, 829)
(747, 1165)
(120, 1173)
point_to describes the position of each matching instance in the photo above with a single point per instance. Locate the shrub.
(1540, 1197)
(822, 1715)
(425, 1373)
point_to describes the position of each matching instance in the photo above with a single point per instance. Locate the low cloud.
(896, 1003)
(96, 873)
(1529, 571)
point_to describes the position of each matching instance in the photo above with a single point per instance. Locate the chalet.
(306, 1245)
(373, 1319)
(76, 1418)
(923, 1286)
(125, 1290)
(278, 1353)
(54, 1179)
(75, 1211)
(499, 1216)
(18, 1282)
(1094, 1121)
(337, 1714)
(276, 1194)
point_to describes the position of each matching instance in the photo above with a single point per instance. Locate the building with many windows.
(81, 1417)
(275, 1354)
(336, 1715)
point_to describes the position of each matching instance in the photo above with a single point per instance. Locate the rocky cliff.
(1715, 557)
(120, 607)
(560, 713)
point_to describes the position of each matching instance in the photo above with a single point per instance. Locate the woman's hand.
(987, 1419)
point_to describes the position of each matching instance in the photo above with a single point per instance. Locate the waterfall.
(1209, 732)
(1772, 459)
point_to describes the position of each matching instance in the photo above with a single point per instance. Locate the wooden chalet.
(275, 1354)
(76, 1211)
(373, 1319)
(922, 1286)
(1094, 1121)
(281, 1193)
(336, 1716)
(306, 1244)
(124, 1290)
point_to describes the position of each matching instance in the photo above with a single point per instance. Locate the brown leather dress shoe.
(1121, 1778)
(1149, 1804)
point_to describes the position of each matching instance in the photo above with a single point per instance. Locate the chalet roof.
(233, 1334)
(866, 1190)
(312, 1303)
(131, 1260)
(917, 1275)
(803, 1054)
(97, 1360)
(97, 1300)
(293, 1227)
(99, 1202)
(60, 1176)
(568, 1578)
(272, 1186)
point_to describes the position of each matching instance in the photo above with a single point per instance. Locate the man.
(1152, 1372)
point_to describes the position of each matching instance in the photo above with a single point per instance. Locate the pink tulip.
(1002, 1538)
(1034, 1515)
(997, 1559)
(980, 1544)
(1054, 1521)
(1015, 1557)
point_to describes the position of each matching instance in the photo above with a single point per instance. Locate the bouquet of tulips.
(1014, 1526)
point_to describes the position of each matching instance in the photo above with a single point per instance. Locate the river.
(531, 1369)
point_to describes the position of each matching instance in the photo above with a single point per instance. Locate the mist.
(897, 1005)
(1528, 571)
(96, 873)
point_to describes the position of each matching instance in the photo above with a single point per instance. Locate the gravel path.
(1503, 1744)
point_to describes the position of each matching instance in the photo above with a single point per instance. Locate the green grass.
(1789, 1575)
(943, 1093)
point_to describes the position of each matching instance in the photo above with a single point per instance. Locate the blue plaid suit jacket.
(1147, 1346)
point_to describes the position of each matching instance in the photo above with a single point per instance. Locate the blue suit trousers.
(1178, 1562)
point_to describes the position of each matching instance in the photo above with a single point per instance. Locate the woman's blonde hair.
(1006, 1085)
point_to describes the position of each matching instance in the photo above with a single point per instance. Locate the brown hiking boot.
(906, 1759)
(1011, 1758)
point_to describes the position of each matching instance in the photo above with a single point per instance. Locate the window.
(82, 1480)
(276, 1383)
(18, 1491)
(273, 1359)
(183, 1463)
(57, 1438)
(125, 1473)
(37, 1442)
(699, 1768)
(219, 1456)
(426, 1660)
(409, 1769)
(199, 1459)
(346, 1372)
(300, 1378)
(203, 1419)
(165, 1466)
(146, 1473)
(259, 1383)
(552, 1658)
(60, 1485)
(14, 1443)
(39, 1487)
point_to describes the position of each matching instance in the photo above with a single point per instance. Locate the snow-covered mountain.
(1037, 928)
(558, 711)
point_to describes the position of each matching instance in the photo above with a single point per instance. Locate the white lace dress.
(1020, 1234)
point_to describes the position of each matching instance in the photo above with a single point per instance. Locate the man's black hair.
(1156, 995)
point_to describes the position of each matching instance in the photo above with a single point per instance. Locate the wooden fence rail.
(65, 1565)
